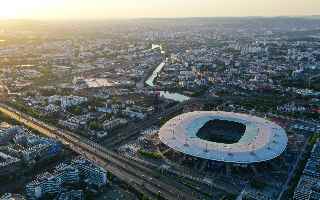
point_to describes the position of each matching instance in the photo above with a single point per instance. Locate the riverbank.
(164, 94)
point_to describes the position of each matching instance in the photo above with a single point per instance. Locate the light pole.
(173, 136)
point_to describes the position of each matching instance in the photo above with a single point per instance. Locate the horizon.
(154, 9)
(165, 18)
(159, 99)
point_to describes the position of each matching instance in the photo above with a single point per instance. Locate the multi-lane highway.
(137, 175)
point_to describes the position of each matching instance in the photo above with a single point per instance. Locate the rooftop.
(262, 140)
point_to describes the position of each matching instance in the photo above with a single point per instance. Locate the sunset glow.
(95, 9)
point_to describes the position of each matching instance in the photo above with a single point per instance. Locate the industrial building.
(48, 183)
(67, 173)
(7, 134)
(44, 184)
(71, 195)
(92, 174)
(9, 196)
(80, 169)
(8, 164)
(21, 146)
(309, 185)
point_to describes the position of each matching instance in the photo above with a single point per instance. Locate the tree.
(94, 125)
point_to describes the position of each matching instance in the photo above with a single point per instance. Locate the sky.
(109, 9)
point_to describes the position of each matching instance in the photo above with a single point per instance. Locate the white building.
(93, 174)
(44, 184)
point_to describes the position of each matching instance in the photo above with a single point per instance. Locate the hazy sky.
(92, 9)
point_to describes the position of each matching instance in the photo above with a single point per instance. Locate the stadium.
(224, 137)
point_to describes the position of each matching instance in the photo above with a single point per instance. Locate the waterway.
(174, 96)
(165, 94)
(150, 80)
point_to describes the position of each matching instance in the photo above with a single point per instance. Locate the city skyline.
(160, 99)
(123, 9)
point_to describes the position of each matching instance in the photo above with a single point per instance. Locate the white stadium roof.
(262, 140)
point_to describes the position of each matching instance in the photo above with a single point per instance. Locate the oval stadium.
(224, 136)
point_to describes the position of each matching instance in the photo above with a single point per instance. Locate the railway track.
(138, 176)
(133, 131)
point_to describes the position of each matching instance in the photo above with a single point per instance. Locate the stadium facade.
(261, 141)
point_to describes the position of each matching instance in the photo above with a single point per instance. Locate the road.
(137, 175)
(292, 172)
(132, 131)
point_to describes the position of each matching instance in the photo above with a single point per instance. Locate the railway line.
(132, 132)
(138, 176)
